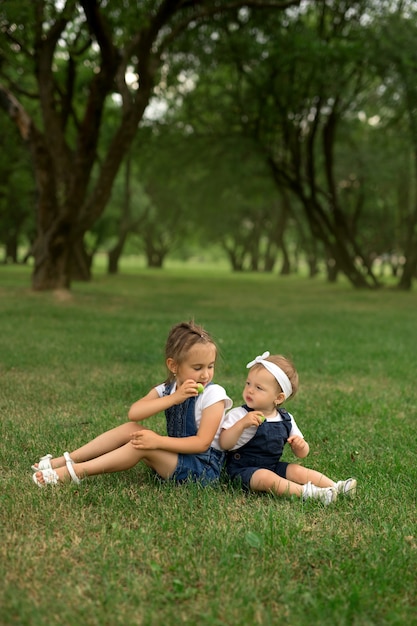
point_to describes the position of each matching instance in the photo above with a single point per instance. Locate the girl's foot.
(52, 476)
(48, 462)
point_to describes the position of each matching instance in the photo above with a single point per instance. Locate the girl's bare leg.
(106, 442)
(303, 475)
(120, 459)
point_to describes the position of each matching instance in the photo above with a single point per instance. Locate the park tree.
(236, 203)
(239, 206)
(17, 195)
(307, 88)
(284, 86)
(168, 169)
(394, 61)
(72, 58)
(293, 104)
(121, 218)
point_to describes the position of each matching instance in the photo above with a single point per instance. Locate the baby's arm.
(230, 436)
(299, 446)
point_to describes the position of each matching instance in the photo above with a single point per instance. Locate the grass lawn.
(123, 549)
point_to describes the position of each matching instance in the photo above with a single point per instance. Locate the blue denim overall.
(204, 467)
(263, 451)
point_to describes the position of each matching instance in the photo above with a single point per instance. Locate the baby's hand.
(297, 443)
(253, 418)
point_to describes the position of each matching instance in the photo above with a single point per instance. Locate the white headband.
(276, 372)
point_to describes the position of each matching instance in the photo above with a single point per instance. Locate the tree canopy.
(61, 64)
(313, 103)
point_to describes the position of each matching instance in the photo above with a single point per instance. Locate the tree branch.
(214, 8)
(16, 112)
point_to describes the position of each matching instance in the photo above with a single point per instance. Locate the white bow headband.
(276, 372)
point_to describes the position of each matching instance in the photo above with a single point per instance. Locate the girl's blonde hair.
(182, 337)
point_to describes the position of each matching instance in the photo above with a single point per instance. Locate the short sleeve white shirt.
(237, 413)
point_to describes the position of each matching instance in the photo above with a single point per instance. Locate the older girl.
(194, 408)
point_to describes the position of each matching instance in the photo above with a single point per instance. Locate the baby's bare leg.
(265, 480)
(303, 475)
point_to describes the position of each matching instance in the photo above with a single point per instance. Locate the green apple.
(262, 418)
(200, 388)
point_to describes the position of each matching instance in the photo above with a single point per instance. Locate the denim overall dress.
(263, 451)
(204, 467)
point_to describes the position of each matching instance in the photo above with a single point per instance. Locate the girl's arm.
(210, 422)
(152, 403)
(230, 436)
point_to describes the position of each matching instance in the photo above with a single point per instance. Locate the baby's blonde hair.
(287, 366)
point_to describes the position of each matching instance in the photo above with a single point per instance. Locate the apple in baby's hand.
(262, 418)
(200, 388)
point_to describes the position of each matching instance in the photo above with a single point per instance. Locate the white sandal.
(45, 462)
(70, 469)
(51, 477)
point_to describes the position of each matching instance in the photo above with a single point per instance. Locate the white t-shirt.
(237, 413)
(212, 393)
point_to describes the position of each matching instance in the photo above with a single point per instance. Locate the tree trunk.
(312, 265)
(52, 269)
(236, 257)
(334, 241)
(332, 270)
(115, 253)
(286, 263)
(81, 262)
(10, 255)
(409, 271)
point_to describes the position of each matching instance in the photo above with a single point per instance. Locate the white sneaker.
(347, 487)
(327, 495)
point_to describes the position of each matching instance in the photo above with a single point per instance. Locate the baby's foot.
(327, 495)
(346, 487)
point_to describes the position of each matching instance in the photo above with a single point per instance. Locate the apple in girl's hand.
(200, 388)
(262, 418)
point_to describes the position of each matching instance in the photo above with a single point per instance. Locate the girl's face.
(261, 391)
(197, 365)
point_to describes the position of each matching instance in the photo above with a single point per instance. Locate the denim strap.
(180, 418)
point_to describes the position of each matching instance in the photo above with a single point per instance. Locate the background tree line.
(272, 130)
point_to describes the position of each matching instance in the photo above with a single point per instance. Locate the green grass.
(125, 550)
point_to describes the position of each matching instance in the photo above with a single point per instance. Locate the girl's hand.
(145, 440)
(188, 389)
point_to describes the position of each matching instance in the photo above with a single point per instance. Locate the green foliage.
(126, 550)
(17, 191)
(242, 88)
